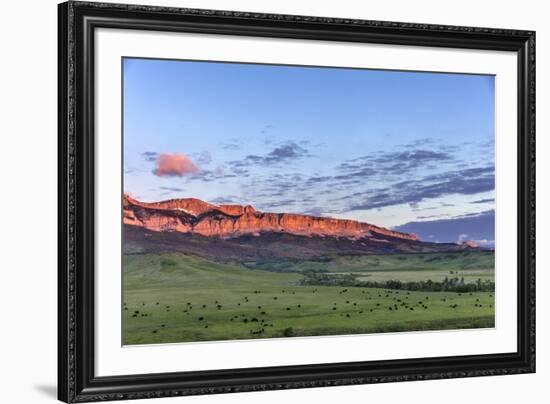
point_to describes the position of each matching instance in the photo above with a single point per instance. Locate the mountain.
(228, 221)
(234, 233)
(478, 228)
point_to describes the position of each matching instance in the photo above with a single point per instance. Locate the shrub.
(288, 332)
(167, 262)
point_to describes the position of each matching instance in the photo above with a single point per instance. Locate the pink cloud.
(174, 165)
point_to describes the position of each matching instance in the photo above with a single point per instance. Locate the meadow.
(174, 297)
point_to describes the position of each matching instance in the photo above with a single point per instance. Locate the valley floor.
(173, 297)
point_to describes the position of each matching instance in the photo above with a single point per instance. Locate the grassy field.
(172, 297)
(471, 265)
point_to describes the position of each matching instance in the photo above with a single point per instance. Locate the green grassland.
(173, 297)
(438, 262)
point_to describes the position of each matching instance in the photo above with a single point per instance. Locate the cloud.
(483, 200)
(391, 163)
(203, 157)
(360, 173)
(174, 165)
(221, 200)
(211, 175)
(406, 175)
(315, 211)
(288, 151)
(318, 179)
(172, 189)
(486, 243)
(285, 152)
(265, 129)
(431, 216)
(415, 157)
(232, 144)
(409, 157)
(466, 182)
(149, 156)
(278, 204)
(473, 214)
(346, 178)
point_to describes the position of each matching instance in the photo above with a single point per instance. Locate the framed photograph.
(257, 201)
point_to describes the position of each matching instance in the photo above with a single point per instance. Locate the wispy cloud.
(316, 211)
(172, 189)
(410, 174)
(149, 156)
(285, 152)
(394, 163)
(277, 204)
(222, 200)
(466, 181)
(265, 129)
(487, 200)
(202, 158)
(232, 144)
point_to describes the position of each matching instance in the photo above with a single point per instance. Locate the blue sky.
(386, 147)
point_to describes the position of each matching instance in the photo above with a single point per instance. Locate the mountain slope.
(270, 246)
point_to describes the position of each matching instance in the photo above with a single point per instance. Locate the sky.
(392, 148)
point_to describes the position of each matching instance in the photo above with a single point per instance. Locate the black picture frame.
(77, 22)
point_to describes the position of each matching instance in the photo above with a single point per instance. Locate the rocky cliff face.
(228, 221)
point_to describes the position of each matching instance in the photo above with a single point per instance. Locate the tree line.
(454, 284)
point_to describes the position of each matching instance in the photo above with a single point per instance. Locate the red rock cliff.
(195, 216)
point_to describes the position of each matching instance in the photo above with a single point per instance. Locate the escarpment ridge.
(191, 215)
